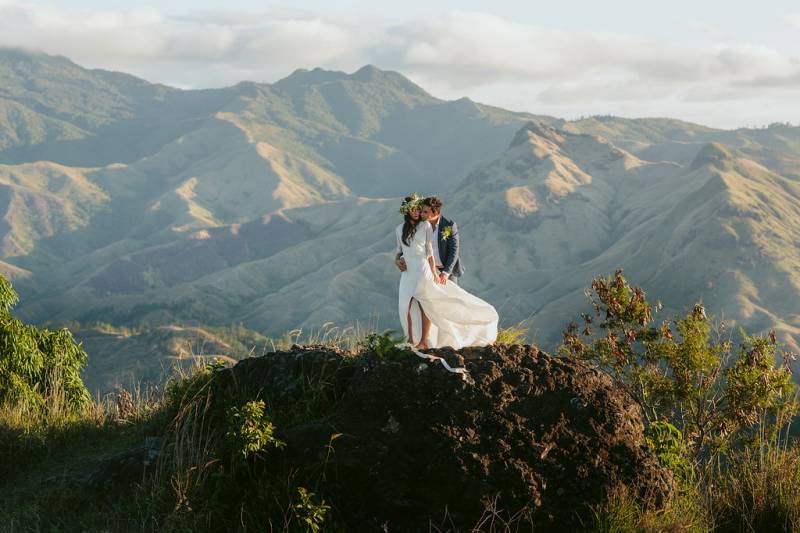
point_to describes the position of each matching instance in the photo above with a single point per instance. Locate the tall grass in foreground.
(759, 488)
(756, 490)
(623, 513)
(30, 431)
(47, 449)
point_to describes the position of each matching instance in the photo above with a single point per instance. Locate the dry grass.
(755, 488)
(516, 334)
(347, 338)
(622, 512)
(759, 490)
(47, 448)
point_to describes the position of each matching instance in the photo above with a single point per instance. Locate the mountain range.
(274, 205)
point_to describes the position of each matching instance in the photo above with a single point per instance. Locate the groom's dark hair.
(434, 203)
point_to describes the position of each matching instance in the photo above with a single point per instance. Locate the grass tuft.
(516, 334)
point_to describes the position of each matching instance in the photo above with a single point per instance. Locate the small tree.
(687, 378)
(36, 363)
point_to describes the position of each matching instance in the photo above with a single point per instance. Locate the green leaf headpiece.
(410, 205)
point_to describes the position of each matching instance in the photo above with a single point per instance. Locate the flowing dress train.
(457, 317)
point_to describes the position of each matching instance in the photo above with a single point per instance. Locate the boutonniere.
(446, 232)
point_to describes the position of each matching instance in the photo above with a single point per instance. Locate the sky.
(710, 62)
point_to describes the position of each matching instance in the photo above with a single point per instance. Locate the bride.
(436, 314)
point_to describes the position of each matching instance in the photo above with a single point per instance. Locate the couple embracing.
(434, 310)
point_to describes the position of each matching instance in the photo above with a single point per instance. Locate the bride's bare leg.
(426, 329)
(409, 322)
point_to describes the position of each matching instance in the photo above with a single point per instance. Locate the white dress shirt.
(436, 243)
(436, 257)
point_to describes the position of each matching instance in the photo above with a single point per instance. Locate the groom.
(446, 254)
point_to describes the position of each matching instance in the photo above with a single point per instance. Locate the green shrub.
(667, 442)
(384, 345)
(686, 377)
(36, 364)
(250, 430)
(308, 512)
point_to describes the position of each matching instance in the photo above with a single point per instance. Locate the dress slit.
(415, 313)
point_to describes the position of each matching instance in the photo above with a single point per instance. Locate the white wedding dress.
(457, 317)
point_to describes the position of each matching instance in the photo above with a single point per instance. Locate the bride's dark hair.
(409, 224)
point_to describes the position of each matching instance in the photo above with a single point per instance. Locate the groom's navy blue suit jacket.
(449, 248)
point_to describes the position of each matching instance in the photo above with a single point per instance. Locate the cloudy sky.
(704, 61)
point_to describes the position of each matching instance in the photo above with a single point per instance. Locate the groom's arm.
(453, 249)
(399, 262)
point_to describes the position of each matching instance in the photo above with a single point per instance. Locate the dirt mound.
(535, 434)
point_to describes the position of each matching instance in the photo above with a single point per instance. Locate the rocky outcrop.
(535, 435)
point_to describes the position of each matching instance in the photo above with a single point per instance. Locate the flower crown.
(411, 205)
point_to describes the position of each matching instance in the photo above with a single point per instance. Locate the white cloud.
(263, 44)
(508, 63)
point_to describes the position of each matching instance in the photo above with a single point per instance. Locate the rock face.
(536, 435)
